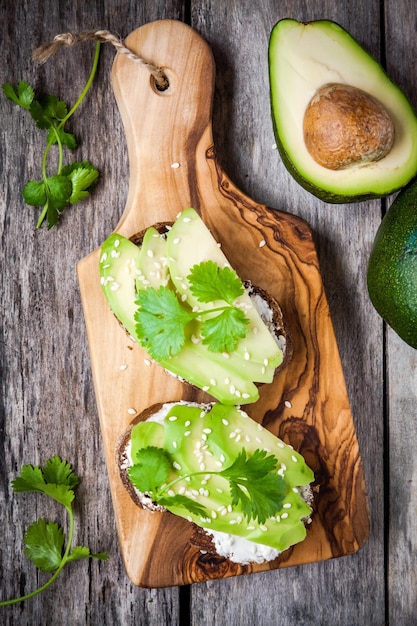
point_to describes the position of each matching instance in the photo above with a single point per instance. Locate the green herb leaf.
(82, 552)
(23, 96)
(67, 139)
(44, 543)
(209, 282)
(150, 470)
(192, 506)
(34, 193)
(82, 175)
(48, 111)
(44, 540)
(161, 322)
(222, 333)
(255, 485)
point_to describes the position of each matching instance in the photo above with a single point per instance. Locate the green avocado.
(392, 267)
(305, 59)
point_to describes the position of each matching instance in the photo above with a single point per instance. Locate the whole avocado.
(392, 267)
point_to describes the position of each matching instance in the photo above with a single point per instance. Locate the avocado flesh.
(124, 268)
(258, 345)
(392, 266)
(199, 440)
(302, 58)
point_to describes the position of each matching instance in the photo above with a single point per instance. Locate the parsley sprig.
(254, 483)
(71, 183)
(163, 319)
(45, 540)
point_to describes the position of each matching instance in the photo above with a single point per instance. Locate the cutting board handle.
(165, 130)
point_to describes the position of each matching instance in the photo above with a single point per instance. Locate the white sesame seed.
(174, 444)
(147, 362)
(131, 411)
(294, 458)
(187, 433)
(284, 516)
(103, 257)
(288, 404)
(171, 492)
(172, 418)
(187, 423)
(287, 505)
(207, 430)
(262, 243)
(175, 165)
(123, 367)
(177, 240)
(116, 243)
(250, 528)
(263, 527)
(176, 465)
(149, 253)
(202, 467)
(213, 382)
(225, 422)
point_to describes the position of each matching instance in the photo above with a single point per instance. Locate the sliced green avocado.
(206, 441)
(152, 264)
(303, 57)
(259, 345)
(392, 266)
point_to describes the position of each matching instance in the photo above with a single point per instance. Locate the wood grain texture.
(175, 127)
(47, 403)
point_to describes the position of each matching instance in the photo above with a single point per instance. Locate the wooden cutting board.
(173, 165)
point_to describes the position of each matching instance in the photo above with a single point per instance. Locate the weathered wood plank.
(351, 590)
(401, 376)
(47, 400)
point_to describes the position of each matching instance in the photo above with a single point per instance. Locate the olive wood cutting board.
(173, 165)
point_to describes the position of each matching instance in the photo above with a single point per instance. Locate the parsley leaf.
(161, 322)
(210, 282)
(185, 502)
(221, 333)
(45, 541)
(67, 185)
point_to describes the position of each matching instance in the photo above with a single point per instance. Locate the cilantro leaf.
(255, 485)
(48, 111)
(185, 502)
(44, 540)
(23, 96)
(150, 470)
(82, 176)
(209, 282)
(222, 332)
(34, 193)
(82, 552)
(44, 543)
(67, 139)
(161, 322)
(59, 472)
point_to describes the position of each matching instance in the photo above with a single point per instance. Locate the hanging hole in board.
(164, 87)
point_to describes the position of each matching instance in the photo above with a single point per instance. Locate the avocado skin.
(392, 266)
(324, 194)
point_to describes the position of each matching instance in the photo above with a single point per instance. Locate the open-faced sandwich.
(246, 491)
(175, 293)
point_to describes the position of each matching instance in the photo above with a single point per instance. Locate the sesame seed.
(147, 362)
(103, 257)
(116, 243)
(284, 516)
(171, 492)
(250, 528)
(115, 254)
(287, 505)
(232, 389)
(186, 219)
(187, 433)
(245, 395)
(294, 458)
(233, 521)
(219, 491)
(207, 430)
(183, 297)
(288, 404)
(263, 527)
(149, 253)
(225, 422)
(177, 240)
(262, 243)
(225, 355)
(202, 467)
(232, 435)
(123, 367)
(213, 514)
(213, 382)
(175, 165)
(227, 381)
(172, 418)
(187, 423)
(222, 458)
(174, 444)
(131, 411)
(206, 388)
(176, 465)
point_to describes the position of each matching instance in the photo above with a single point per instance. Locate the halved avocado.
(303, 58)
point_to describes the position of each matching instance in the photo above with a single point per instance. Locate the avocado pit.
(345, 126)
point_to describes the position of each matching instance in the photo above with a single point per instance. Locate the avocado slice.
(152, 264)
(259, 345)
(230, 380)
(392, 266)
(305, 57)
(205, 441)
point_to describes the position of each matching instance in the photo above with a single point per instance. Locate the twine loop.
(46, 50)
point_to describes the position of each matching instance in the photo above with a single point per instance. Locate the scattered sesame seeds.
(225, 422)
(175, 165)
(131, 411)
(187, 433)
(288, 404)
(207, 430)
(287, 505)
(123, 367)
(116, 243)
(177, 465)
(187, 423)
(147, 362)
(175, 445)
(284, 516)
(262, 243)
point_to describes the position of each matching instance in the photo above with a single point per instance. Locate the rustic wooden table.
(47, 403)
